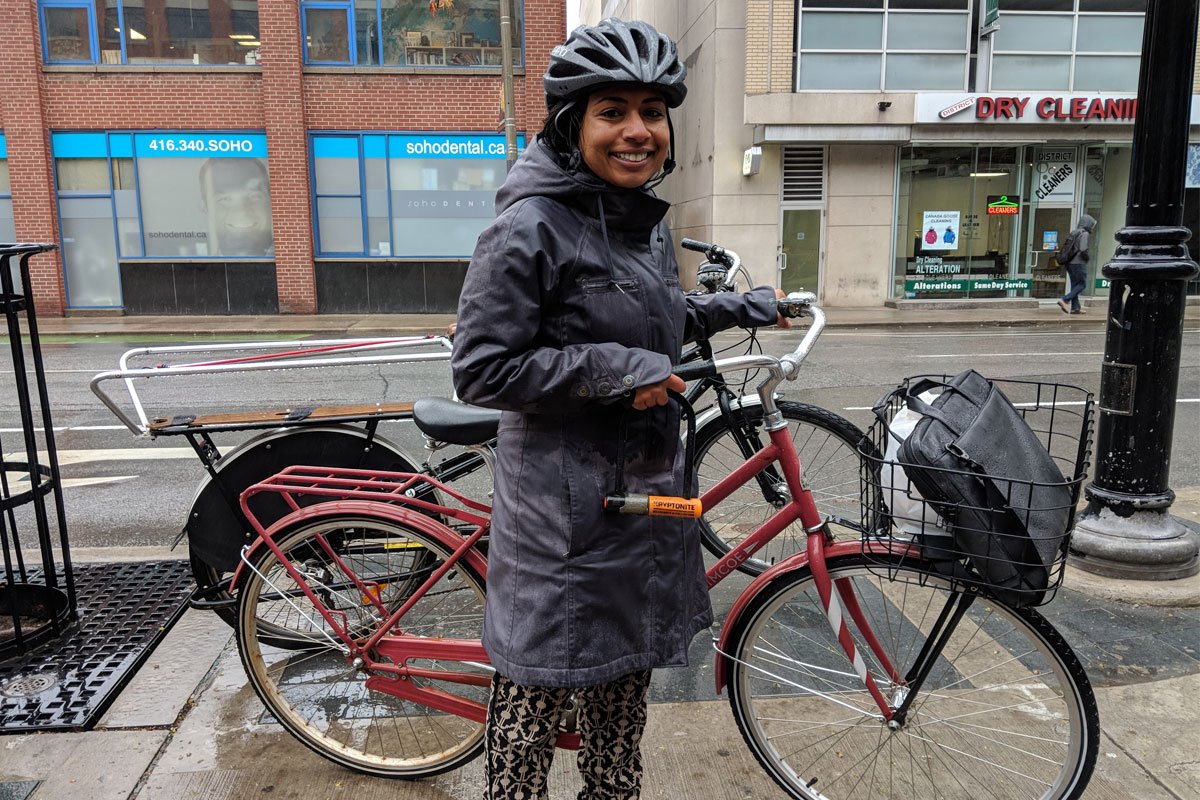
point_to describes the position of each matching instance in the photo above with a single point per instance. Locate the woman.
(571, 316)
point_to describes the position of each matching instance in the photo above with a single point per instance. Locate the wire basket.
(985, 547)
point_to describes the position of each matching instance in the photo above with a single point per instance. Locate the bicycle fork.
(894, 712)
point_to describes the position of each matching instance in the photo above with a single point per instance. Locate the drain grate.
(124, 610)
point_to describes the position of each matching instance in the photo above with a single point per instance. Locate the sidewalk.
(187, 727)
(337, 325)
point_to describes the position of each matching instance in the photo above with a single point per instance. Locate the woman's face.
(625, 136)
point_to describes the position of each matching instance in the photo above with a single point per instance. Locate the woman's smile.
(625, 134)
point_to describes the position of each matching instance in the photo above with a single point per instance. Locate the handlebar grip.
(791, 308)
(695, 244)
(696, 370)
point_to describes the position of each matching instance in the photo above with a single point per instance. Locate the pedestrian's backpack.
(1068, 250)
(1004, 500)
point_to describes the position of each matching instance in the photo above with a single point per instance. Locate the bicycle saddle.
(455, 423)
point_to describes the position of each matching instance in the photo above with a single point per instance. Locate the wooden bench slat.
(280, 415)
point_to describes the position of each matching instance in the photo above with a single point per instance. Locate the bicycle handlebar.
(719, 255)
(796, 304)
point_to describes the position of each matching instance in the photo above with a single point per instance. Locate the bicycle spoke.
(997, 716)
(325, 703)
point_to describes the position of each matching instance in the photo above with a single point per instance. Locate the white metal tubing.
(127, 375)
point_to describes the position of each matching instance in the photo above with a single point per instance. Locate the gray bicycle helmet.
(614, 51)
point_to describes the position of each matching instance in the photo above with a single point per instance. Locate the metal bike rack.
(36, 603)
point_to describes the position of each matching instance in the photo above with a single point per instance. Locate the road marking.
(999, 355)
(1032, 405)
(56, 372)
(66, 457)
(949, 335)
(71, 428)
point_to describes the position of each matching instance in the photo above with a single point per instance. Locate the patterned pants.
(523, 722)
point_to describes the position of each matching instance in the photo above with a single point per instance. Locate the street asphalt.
(187, 725)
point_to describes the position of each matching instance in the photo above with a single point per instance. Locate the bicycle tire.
(827, 446)
(1006, 711)
(259, 459)
(311, 689)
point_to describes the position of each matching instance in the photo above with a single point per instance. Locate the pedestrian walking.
(571, 318)
(1074, 255)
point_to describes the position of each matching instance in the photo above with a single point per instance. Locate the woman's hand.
(655, 394)
(780, 320)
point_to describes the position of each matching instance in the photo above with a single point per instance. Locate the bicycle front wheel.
(827, 447)
(308, 684)
(1005, 712)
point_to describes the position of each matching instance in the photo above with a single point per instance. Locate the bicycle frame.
(388, 651)
(388, 496)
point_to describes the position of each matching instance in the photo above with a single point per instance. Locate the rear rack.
(421, 492)
(259, 356)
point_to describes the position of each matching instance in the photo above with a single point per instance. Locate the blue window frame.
(68, 31)
(7, 230)
(198, 33)
(414, 195)
(325, 32)
(407, 33)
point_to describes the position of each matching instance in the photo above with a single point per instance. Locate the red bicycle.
(854, 668)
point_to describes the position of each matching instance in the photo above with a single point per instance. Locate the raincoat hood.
(1087, 222)
(538, 174)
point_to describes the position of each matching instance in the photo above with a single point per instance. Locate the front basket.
(898, 521)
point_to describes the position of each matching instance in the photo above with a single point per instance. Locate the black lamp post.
(1126, 531)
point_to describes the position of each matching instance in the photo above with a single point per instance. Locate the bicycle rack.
(35, 604)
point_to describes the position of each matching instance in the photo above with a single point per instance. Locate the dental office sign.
(958, 108)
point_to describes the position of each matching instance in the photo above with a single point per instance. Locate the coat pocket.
(614, 310)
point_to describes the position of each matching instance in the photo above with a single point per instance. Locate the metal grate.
(124, 611)
(803, 174)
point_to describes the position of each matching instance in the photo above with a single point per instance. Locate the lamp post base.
(1148, 545)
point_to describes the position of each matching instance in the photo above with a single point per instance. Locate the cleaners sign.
(1054, 174)
(1040, 109)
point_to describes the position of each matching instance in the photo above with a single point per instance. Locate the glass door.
(1054, 176)
(800, 258)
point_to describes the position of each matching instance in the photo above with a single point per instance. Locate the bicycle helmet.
(614, 51)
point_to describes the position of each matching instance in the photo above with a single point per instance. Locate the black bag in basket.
(974, 457)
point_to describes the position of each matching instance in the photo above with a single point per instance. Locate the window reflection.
(153, 32)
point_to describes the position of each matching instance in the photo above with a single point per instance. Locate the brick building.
(258, 156)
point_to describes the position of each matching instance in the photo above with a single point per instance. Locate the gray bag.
(974, 458)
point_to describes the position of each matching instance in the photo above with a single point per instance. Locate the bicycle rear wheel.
(308, 684)
(827, 447)
(1006, 711)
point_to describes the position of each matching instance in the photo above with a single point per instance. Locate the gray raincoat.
(572, 301)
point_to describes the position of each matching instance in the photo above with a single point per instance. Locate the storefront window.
(409, 33)
(163, 195)
(8, 232)
(150, 31)
(1007, 209)
(957, 207)
(404, 195)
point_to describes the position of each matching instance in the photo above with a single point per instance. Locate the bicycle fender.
(369, 508)
(793, 563)
(215, 529)
(712, 412)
